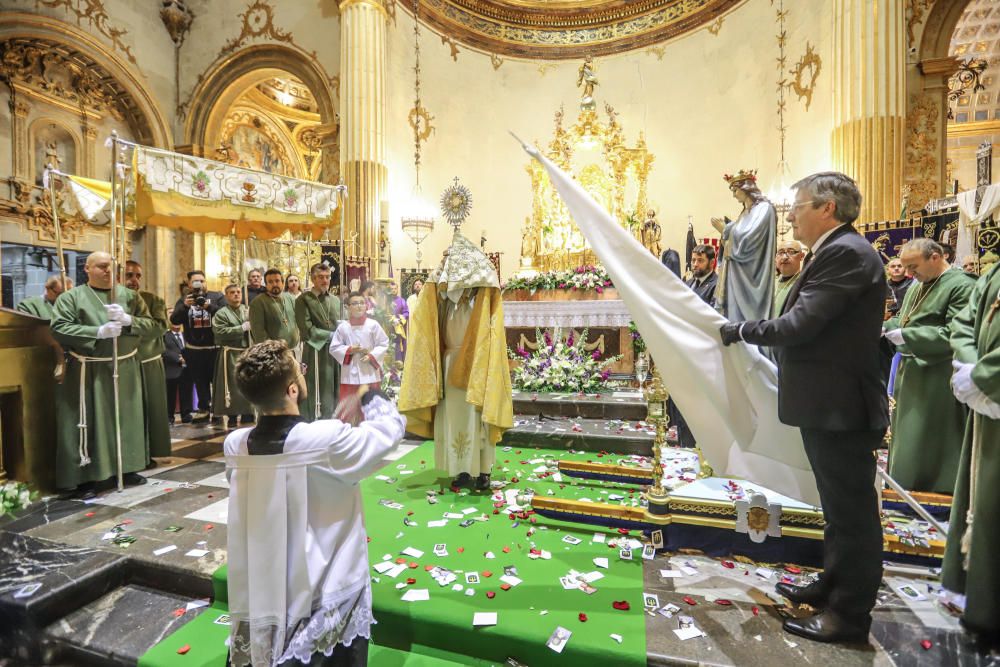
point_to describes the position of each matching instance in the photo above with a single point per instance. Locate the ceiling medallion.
(562, 29)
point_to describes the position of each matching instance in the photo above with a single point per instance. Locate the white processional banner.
(728, 395)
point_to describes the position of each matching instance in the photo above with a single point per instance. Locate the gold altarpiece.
(595, 152)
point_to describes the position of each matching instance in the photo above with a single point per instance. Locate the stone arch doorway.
(231, 78)
(928, 69)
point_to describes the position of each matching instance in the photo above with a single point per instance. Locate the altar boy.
(359, 344)
(295, 508)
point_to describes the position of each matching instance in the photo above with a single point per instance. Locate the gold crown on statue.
(742, 175)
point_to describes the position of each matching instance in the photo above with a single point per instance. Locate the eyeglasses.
(356, 303)
(788, 253)
(797, 205)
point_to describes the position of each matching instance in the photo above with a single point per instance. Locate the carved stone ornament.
(69, 78)
(177, 19)
(94, 13)
(758, 518)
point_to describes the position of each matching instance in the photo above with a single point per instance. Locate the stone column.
(869, 70)
(88, 163)
(21, 149)
(363, 170)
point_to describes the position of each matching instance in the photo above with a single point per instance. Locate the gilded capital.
(20, 108)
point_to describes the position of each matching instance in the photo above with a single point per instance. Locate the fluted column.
(363, 26)
(869, 70)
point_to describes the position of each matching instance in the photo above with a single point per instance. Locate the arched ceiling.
(977, 35)
(563, 29)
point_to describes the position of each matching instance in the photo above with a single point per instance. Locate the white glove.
(961, 381)
(246, 326)
(109, 330)
(895, 336)
(117, 314)
(984, 405)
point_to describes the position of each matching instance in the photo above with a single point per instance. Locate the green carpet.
(527, 613)
(439, 632)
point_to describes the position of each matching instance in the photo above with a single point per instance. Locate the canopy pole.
(912, 502)
(342, 273)
(113, 298)
(56, 224)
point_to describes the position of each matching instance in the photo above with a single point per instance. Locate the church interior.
(639, 501)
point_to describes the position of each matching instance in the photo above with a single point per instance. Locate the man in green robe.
(231, 327)
(154, 377)
(973, 539)
(41, 306)
(272, 315)
(927, 423)
(85, 321)
(316, 313)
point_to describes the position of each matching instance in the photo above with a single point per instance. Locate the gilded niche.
(562, 30)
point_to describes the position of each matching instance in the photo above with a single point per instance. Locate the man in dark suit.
(703, 276)
(178, 379)
(826, 341)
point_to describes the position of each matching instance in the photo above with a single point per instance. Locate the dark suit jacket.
(707, 289)
(826, 340)
(171, 357)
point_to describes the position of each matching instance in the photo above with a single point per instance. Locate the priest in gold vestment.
(456, 381)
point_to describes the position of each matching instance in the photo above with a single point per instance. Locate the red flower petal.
(582, 617)
(184, 649)
(411, 580)
(793, 569)
(461, 549)
(689, 600)
(506, 550)
(487, 573)
(724, 602)
(623, 531)
(428, 568)
(621, 605)
(400, 560)
(755, 610)
(413, 566)
(926, 644)
(179, 612)
(728, 564)
(505, 587)
(89, 514)
(490, 594)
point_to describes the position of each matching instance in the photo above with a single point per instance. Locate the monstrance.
(456, 202)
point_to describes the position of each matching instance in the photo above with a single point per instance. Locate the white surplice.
(368, 335)
(729, 395)
(297, 547)
(460, 443)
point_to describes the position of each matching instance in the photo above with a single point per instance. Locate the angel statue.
(587, 79)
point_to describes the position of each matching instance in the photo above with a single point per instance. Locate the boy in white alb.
(299, 591)
(359, 344)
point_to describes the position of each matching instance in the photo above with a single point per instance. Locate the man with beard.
(231, 326)
(317, 313)
(272, 316)
(898, 283)
(154, 378)
(704, 278)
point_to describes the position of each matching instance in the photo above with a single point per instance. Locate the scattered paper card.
(671, 574)
(569, 539)
(384, 566)
(472, 577)
(648, 552)
(412, 553)
(453, 515)
(197, 553)
(601, 562)
(164, 550)
(440, 550)
(650, 601)
(481, 618)
(416, 595)
(598, 537)
(557, 642)
(625, 554)
(27, 590)
(657, 537)
(690, 632)
(470, 510)
(440, 523)
(222, 620)
(508, 579)
(910, 592)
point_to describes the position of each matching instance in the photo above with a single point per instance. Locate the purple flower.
(595, 355)
(569, 341)
(600, 289)
(522, 352)
(605, 375)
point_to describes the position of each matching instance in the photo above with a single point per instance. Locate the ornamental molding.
(94, 13)
(522, 30)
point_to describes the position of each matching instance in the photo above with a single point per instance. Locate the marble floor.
(120, 571)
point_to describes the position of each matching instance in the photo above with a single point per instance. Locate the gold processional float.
(615, 174)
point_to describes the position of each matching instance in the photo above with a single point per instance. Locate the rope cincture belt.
(84, 450)
(188, 346)
(225, 368)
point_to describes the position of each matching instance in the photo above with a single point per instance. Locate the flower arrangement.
(581, 278)
(638, 344)
(561, 365)
(15, 496)
(392, 378)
